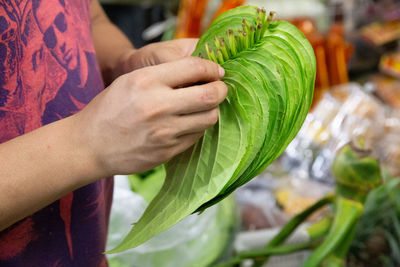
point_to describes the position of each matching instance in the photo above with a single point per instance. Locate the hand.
(157, 53)
(146, 117)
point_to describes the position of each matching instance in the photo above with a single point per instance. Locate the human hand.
(157, 53)
(146, 117)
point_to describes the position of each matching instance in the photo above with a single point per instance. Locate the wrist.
(85, 164)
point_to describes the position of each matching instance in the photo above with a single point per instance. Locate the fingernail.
(221, 71)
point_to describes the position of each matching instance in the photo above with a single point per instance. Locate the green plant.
(377, 238)
(358, 179)
(270, 73)
(148, 184)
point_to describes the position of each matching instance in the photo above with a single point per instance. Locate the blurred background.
(357, 95)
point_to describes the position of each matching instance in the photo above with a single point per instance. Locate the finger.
(198, 98)
(186, 141)
(178, 48)
(186, 46)
(188, 70)
(196, 122)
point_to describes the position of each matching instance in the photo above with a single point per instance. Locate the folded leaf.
(270, 72)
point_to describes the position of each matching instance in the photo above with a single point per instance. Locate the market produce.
(357, 173)
(270, 73)
(377, 238)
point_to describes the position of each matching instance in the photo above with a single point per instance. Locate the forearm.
(111, 45)
(40, 167)
(117, 55)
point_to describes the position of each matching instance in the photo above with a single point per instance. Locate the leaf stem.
(245, 40)
(347, 214)
(258, 32)
(320, 228)
(298, 219)
(217, 43)
(239, 41)
(225, 51)
(220, 57)
(210, 53)
(246, 26)
(232, 42)
(263, 14)
(251, 34)
(267, 252)
(287, 230)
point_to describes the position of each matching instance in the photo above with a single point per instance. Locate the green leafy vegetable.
(357, 173)
(270, 73)
(148, 184)
(377, 239)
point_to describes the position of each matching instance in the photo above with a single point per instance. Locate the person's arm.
(117, 56)
(137, 123)
(140, 121)
(40, 167)
(111, 45)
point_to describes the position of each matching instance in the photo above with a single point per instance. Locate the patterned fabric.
(48, 71)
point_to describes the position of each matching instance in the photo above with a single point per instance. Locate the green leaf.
(149, 183)
(356, 172)
(270, 73)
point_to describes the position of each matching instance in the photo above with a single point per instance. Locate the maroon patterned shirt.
(48, 71)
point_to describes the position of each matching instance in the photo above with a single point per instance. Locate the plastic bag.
(344, 114)
(196, 241)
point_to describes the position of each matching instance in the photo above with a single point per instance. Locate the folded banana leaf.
(270, 72)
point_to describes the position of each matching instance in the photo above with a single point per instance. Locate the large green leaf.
(270, 73)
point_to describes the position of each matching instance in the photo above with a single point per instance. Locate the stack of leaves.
(270, 73)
